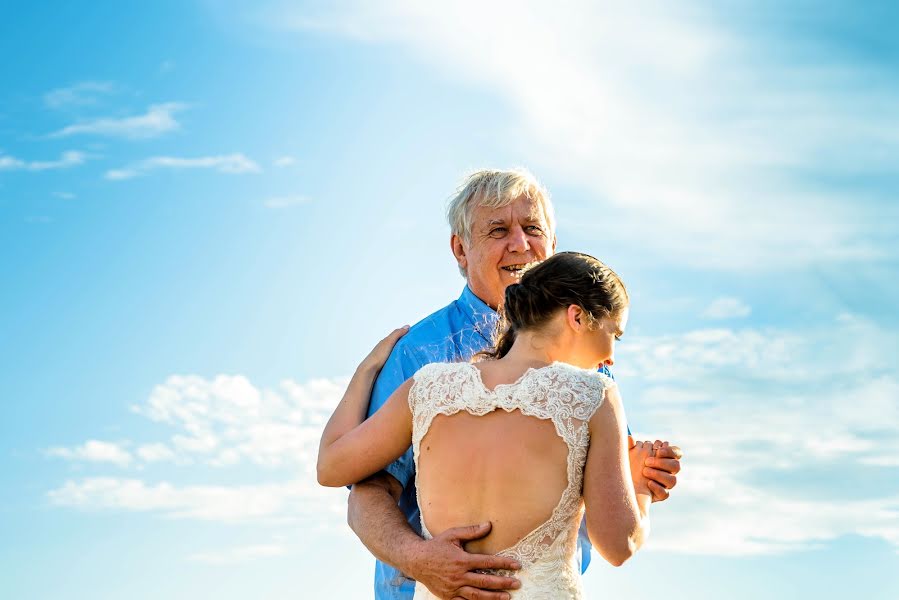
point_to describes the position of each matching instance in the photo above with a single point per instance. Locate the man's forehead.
(526, 209)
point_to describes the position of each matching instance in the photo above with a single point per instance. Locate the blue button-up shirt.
(452, 334)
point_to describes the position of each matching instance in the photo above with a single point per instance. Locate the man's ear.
(458, 249)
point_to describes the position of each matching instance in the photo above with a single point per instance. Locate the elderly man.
(501, 221)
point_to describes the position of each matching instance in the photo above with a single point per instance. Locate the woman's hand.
(378, 356)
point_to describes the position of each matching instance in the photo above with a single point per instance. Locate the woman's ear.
(575, 317)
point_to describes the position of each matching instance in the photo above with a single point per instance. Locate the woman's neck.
(536, 349)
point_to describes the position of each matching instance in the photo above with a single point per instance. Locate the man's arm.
(441, 564)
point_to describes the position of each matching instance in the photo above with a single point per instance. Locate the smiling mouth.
(515, 270)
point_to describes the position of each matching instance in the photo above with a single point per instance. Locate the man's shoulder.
(435, 330)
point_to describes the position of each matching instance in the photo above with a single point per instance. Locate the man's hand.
(661, 469)
(446, 569)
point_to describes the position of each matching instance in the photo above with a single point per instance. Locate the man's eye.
(535, 229)
(497, 231)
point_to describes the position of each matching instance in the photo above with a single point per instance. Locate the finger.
(669, 465)
(658, 492)
(491, 561)
(470, 532)
(668, 452)
(490, 582)
(472, 593)
(661, 477)
(397, 333)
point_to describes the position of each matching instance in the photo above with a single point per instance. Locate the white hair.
(494, 189)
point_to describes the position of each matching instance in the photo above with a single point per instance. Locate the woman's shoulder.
(438, 369)
(587, 386)
(591, 376)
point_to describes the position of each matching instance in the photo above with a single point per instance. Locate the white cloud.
(68, 159)
(756, 411)
(284, 161)
(727, 308)
(229, 163)
(238, 554)
(158, 120)
(710, 174)
(285, 201)
(155, 453)
(85, 93)
(272, 503)
(94, 451)
(227, 420)
(222, 423)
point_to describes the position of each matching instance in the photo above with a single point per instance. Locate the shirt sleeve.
(399, 367)
(584, 547)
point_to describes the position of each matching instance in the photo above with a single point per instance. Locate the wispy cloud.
(157, 452)
(712, 173)
(727, 308)
(284, 161)
(219, 424)
(158, 120)
(760, 414)
(285, 201)
(68, 159)
(85, 93)
(752, 408)
(94, 451)
(274, 503)
(238, 554)
(228, 163)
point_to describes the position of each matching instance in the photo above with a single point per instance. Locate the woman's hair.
(558, 282)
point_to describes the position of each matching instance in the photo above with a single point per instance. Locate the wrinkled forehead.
(522, 209)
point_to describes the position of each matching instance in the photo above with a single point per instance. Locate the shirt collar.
(482, 316)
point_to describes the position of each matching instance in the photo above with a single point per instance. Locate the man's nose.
(518, 240)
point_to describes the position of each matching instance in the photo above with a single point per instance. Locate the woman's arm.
(617, 511)
(353, 448)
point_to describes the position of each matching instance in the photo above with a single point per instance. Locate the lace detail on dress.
(566, 395)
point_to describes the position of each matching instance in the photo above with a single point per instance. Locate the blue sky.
(209, 212)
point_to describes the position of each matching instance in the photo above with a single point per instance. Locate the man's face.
(503, 240)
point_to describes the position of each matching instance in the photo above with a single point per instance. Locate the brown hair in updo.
(558, 282)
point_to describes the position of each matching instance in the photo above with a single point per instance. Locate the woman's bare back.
(503, 467)
(512, 453)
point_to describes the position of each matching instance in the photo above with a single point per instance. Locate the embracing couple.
(489, 503)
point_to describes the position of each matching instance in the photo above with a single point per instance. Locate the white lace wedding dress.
(562, 393)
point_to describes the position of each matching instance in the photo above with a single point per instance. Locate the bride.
(557, 448)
